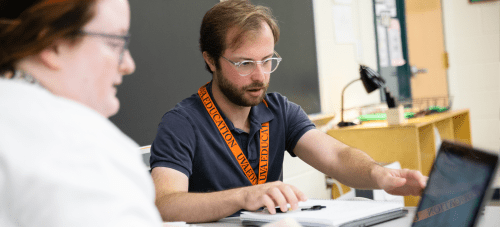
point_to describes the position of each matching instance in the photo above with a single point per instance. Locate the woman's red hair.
(36, 25)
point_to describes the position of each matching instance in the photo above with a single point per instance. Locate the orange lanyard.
(233, 145)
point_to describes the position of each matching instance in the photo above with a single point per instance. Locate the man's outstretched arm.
(175, 203)
(355, 168)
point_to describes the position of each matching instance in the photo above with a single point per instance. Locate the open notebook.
(337, 213)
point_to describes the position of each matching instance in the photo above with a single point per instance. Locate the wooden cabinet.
(413, 144)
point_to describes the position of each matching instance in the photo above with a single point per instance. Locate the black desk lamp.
(371, 81)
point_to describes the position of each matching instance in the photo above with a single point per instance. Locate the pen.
(312, 208)
(317, 207)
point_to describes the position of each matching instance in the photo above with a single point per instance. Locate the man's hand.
(271, 195)
(400, 181)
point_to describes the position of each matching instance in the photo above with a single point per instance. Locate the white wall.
(471, 39)
(473, 43)
(338, 64)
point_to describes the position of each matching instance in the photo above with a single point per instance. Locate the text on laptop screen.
(455, 190)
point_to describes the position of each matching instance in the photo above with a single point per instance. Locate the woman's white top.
(63, 164)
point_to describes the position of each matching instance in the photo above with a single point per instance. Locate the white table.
(491, 218)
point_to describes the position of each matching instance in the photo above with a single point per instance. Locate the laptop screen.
(457, 185)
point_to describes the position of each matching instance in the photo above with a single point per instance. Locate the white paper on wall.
(395, 44)
(343, 1)
(342, 16)
(383, 52)
(386, 6)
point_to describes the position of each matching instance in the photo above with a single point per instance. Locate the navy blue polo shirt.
(189, 141)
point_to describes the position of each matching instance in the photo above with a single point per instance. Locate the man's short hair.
(226, 15)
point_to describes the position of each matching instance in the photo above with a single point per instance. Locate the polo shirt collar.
(258, 114)
(261, 113)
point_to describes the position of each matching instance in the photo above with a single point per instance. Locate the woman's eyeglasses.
(123, 38)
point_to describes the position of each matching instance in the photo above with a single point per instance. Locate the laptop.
(458, 186)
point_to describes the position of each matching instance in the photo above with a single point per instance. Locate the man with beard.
(221, 150)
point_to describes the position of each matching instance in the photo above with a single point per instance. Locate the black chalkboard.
(170, 66)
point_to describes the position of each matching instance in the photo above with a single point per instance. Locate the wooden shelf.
(413, 144)
(321, 119)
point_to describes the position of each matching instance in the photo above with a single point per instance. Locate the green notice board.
(475, 1)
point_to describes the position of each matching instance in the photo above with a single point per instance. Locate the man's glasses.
(246, 67)
(123, 45)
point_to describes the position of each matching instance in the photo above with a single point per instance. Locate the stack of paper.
(336, 213)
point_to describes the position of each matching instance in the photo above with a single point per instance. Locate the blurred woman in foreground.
(62, 162)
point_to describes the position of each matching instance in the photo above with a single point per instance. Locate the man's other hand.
(400, 181)
(270, 195)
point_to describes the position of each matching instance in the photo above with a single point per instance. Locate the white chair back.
(146, 153)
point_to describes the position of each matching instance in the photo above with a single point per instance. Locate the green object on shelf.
(381, 116)
(438, 108)
(372, 117)
(409, 114)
